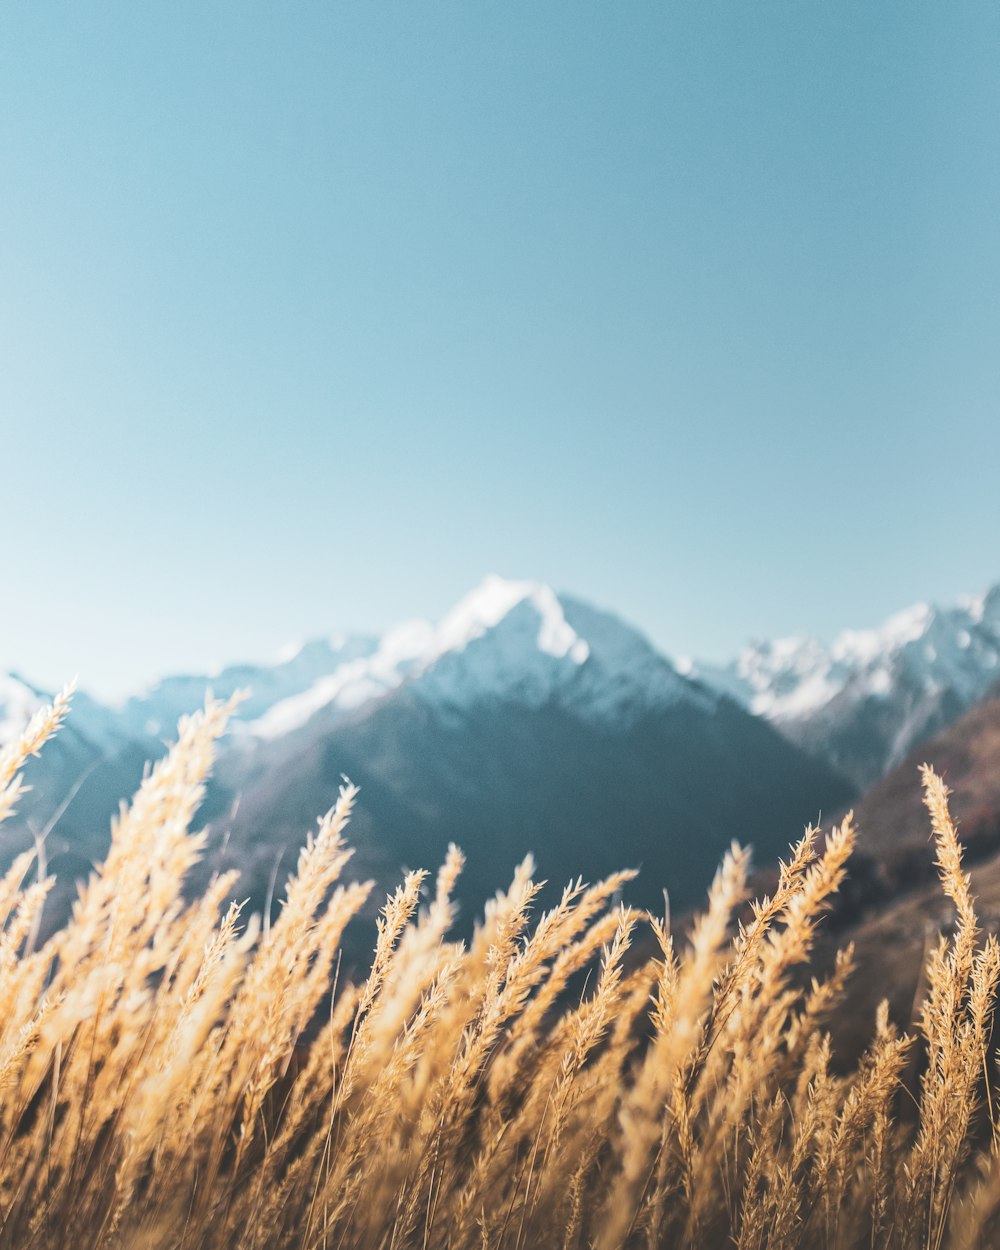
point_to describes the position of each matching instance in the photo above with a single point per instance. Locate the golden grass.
(174, 1076)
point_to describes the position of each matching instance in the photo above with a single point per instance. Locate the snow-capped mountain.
(522, 720)
(866, 700)
(298, 670)
(504, 640)
(507, 641)
(860, 703)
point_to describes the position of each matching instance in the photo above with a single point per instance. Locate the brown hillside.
(967, 755)
(892, 908)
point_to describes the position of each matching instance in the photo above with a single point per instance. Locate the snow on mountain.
(150, 716)
(505, 639)
(350, 684)
(18, 703)
(868, 698)
(154, 712)
(491, 602)
(513, 640)
(549, 648)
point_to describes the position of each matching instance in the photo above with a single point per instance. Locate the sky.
(312, 315)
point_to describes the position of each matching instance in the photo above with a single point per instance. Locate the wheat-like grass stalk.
(175, 1077)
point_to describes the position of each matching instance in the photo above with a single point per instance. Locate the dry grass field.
(177, 1076)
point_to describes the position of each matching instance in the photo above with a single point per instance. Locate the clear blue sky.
(311, 314)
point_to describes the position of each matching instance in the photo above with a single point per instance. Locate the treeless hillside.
(892, 908)
(967, 755)
(894, 855)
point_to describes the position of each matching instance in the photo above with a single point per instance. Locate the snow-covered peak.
(153, 713)
(792, 680)
(510, 638)
(487, 605)
(521, 642)
(514, 640)
(858, 647)
(352, 683)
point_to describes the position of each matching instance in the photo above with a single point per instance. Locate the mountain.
(522, 721)
(506, 640)
(863, 702)
(527, 722)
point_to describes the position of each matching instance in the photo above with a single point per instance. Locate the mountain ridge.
(522, 721)
(860, 703)
(864, 701)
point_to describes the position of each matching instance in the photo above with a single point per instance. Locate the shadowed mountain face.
(666, 794)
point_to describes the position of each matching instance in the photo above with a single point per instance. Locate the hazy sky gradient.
(312, 314)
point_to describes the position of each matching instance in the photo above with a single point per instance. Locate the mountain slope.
(667, 794)
(967, 755)
(892, 907)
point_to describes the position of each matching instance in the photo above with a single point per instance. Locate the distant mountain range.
(863, 702)
(525, 720)
(522, 721)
